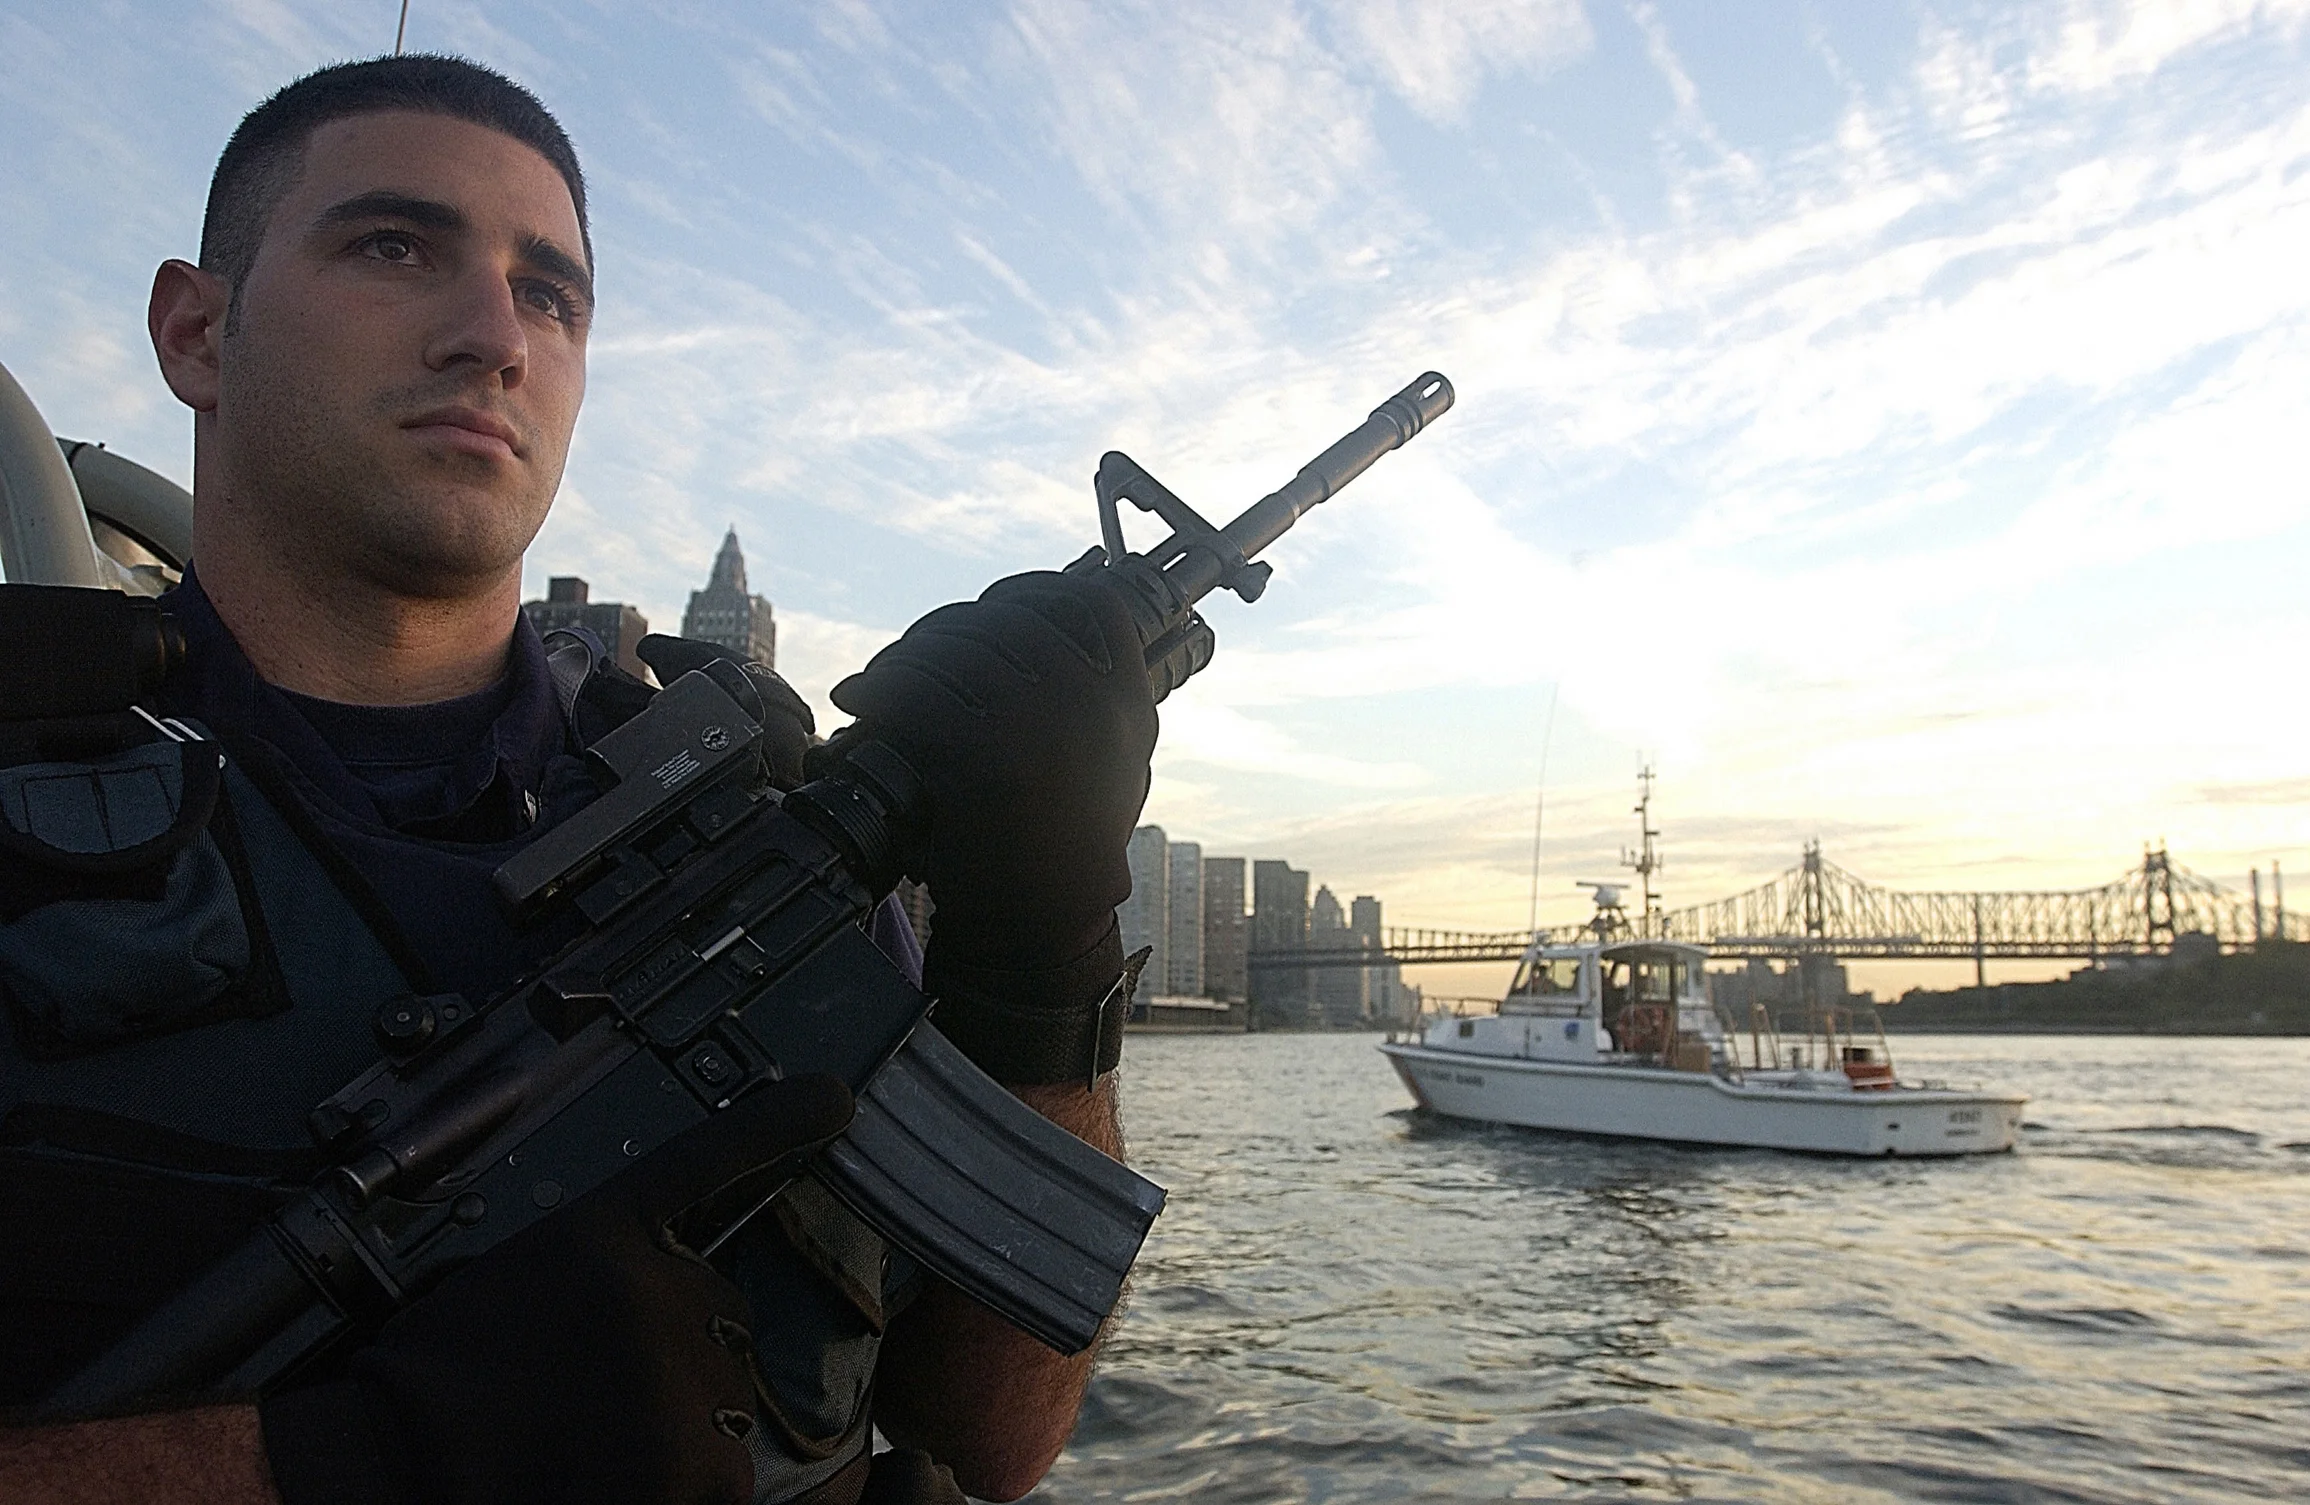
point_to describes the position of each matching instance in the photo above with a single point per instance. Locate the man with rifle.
(383, 346)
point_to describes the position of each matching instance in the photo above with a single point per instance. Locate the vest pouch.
(813, 1278)
(114, 817)
(122, 917)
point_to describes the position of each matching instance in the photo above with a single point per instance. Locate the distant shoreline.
(2260, 993)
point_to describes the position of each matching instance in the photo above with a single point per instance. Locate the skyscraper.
(1185, 921)
(1146, 916)
(1224, 930)
(1339, 991)
(618, 625)
(1383, 980)
(724, 613)
(1279, 995)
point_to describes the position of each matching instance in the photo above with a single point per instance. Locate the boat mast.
(1540, 807)
(1645, 859)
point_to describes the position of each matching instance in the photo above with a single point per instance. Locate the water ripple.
(1348, 1301)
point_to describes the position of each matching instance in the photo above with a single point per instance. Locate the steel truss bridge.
(1817, 909)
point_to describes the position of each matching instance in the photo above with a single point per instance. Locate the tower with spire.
(724, 613)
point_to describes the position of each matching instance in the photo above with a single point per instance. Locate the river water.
(1347, 1301)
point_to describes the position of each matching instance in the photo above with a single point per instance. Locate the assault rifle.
(723, 949)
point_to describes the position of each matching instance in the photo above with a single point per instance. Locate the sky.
(1884, 418)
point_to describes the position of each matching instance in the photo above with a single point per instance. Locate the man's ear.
(187, 319)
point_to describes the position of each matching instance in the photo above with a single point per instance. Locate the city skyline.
(1885, 419)
(1189, 912)
(1183, 917)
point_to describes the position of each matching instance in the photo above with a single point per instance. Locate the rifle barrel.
(1390, 425)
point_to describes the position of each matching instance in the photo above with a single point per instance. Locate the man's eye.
(390, 247)
(552, 301)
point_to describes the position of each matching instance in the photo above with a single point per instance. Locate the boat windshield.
(1552, 977)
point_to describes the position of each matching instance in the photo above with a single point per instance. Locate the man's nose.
(482, 328)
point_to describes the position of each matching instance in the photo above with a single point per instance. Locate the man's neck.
(352, 641)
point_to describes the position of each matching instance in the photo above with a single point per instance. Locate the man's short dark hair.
(260, 163)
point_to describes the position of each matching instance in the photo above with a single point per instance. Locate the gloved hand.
(787, 724)
(910, 1476)
(1028, 714)
(590, 1358)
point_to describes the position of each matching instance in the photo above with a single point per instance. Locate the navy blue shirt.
(439, 771)
(422, 802)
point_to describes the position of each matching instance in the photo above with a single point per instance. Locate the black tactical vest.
(181, 981)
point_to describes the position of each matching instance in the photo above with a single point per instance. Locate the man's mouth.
(469, 430)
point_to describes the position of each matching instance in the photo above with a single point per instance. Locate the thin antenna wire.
(401, 32)
(1540, 804)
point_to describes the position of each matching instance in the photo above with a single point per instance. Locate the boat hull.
(1639, 1102)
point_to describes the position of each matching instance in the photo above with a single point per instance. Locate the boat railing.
(1546, 1005)
(1434, 1010)
(1827, 1036)
(1460, 1008)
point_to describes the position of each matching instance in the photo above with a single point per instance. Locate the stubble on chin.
(430, 522)
(353, 497)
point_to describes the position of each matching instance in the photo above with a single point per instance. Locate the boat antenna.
(401, 32)
(1645, 859)
(1540, 805)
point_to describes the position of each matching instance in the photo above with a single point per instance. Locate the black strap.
(569, 663)
(1030, 1029)
(263, 991)
(257, 761)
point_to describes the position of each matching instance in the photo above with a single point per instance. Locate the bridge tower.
(1646, 858)
(1813, 901)
(1816, 899)
(2158, 898)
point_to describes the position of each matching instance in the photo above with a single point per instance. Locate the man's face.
(407, 355)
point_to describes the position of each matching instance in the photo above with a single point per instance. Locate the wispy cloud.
(1436, 57)
(1919, 467)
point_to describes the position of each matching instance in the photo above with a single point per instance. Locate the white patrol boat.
(1618, 1037)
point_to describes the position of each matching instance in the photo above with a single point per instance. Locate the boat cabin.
(1618, 1002)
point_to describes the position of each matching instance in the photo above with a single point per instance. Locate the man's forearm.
(973, 1391)
(211, 1456)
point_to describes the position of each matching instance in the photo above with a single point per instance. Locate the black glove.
(1027, 712)
(910, 1476)
(1029, 717)
(787, 725)
(590, 1358)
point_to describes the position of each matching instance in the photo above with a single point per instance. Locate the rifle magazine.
(990, 1195)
